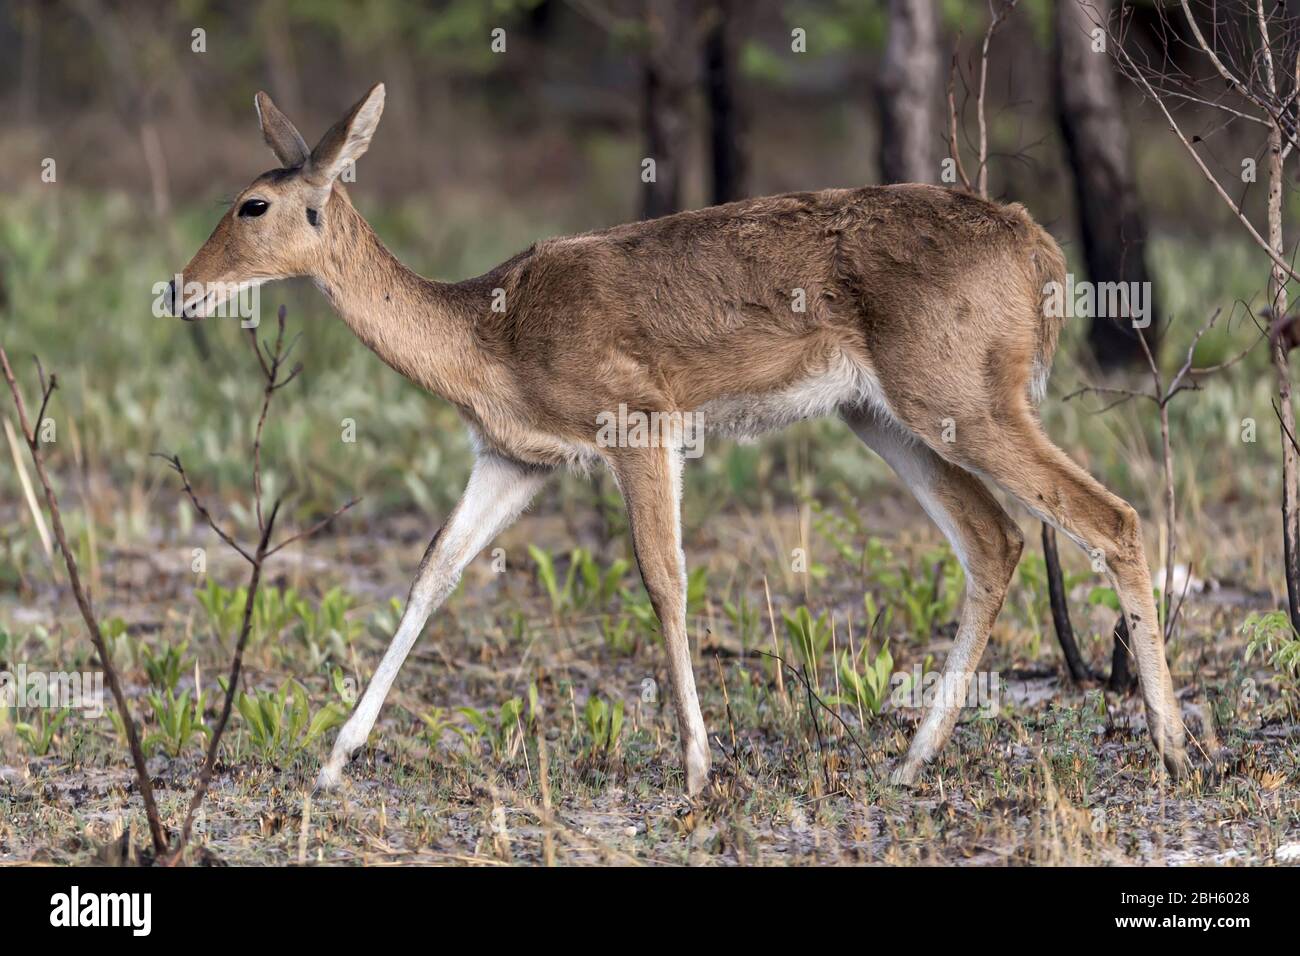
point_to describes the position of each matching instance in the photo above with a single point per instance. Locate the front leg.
(650, 479)
(499, 489)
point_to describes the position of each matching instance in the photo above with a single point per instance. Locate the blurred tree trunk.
(1277, 288)
(1111, 222)
(667, 86)
(134, 92)
(727, 119)
(281, 64)
(909, 91)
(29, 69)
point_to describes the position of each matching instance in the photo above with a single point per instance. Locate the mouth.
(211, 297)
(188, 311)
(194, 310)
(201, 306)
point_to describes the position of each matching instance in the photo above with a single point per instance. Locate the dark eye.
(254, 207)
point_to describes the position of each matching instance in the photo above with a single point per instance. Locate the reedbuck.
(913, 313)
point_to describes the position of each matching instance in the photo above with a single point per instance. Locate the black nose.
(171, 298)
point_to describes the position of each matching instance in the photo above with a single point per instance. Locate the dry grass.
(1060, 775)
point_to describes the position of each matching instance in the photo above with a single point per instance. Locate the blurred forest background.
(126, 128)
(129, 125)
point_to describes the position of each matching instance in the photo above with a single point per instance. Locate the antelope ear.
(346, 140)
(281, 135)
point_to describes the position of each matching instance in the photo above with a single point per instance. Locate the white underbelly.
(843, 383)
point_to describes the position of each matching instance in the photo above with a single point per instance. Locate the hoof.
(905, 775)
(330, 779)
(1177, 763)
(1170, 739)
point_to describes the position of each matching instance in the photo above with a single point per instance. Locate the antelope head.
(276, 227)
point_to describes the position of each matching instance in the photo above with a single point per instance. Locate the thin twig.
(47, 389)
(232, 687)
(996, 20)
(1286, 431)
(271, 361)
(1140, 77)
(174, 462)
(314, 528)
(798, 673)
(156, 831)
(954, 143)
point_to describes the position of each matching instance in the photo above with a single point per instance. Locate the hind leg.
(1012, 450)
(986, 541)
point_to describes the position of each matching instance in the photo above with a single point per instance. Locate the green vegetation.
(566, 639)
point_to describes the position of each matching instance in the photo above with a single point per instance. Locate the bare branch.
(232, 687)
(1125, 393)
(271, 361)
(314, 528)
(954, 143)
(156, 830)
(1151, 364)
(1205, 170)
(175, 463)
(997, 18)
(1232, 79)
(47, 389)
(1286, 431)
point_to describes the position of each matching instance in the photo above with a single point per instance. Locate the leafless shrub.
(272, 361)
(1249, 52)
(156, 831)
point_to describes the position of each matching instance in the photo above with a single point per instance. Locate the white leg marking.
(920, 470)
(697, 735)
(498, 491)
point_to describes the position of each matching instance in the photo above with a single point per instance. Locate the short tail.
(1047, 272)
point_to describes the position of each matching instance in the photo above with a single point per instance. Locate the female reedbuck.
(911, 312)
